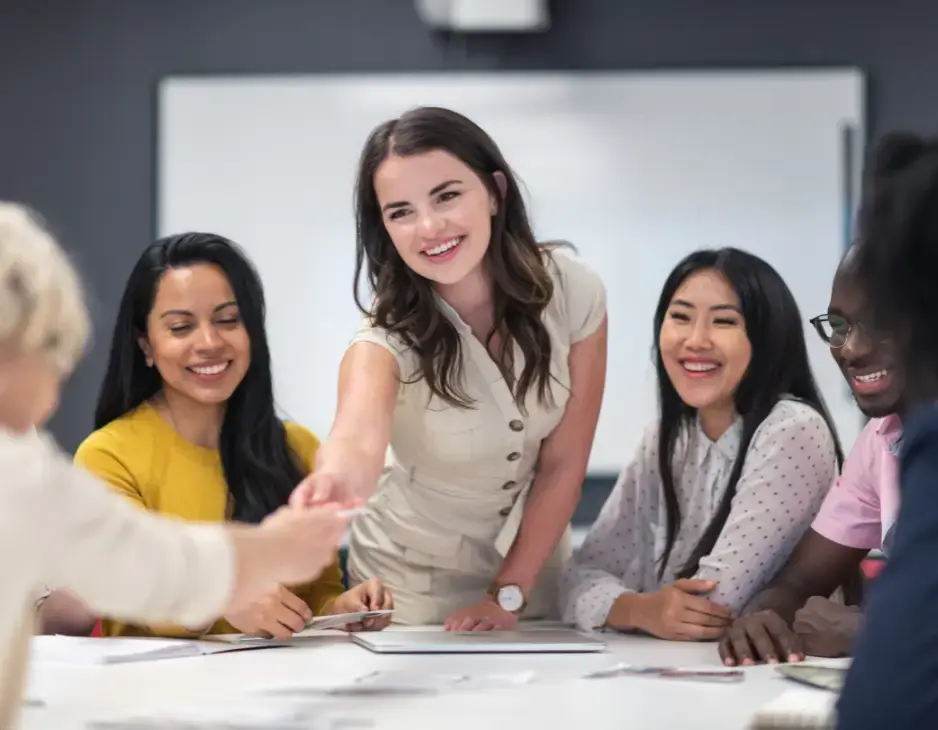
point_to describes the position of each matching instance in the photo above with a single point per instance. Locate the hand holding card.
(343, 620)
(370, 596)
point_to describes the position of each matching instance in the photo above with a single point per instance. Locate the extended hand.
(485, 615)
(304, 542)
(344, 474)
(320, 488)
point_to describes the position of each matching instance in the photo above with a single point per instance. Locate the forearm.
(550, 505)
(626, 612)
(367, 453)
(99, 543)
(782, 597)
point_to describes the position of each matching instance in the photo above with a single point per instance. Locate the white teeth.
(212, 370)
(443, 247)
(871, 377)
(700, 367)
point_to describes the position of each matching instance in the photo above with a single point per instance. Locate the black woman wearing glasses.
(794, 616)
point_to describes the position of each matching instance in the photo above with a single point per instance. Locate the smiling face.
(437, 212)
(195, 337)
(868, 361)
(703, 343)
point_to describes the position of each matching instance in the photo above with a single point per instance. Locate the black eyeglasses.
(835, 330)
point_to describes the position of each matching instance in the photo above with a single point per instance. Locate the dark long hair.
(779, 367)
(896, 256)
(260, 468)
(404, 301)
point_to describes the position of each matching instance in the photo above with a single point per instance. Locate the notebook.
(476, 642)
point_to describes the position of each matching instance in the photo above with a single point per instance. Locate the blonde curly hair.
(42, 305)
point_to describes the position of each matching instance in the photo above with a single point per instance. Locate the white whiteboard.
(636, 169)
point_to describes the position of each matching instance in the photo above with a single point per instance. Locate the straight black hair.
(260, 468)
(896, 260)
(778, 368)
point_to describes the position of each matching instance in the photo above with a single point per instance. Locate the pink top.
(863, 503)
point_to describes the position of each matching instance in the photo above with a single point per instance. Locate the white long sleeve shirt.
(60, 527)
(790, 465)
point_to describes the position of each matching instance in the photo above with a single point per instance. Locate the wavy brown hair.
(404, 303)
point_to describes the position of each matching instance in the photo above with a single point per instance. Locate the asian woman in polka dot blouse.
(724, 484)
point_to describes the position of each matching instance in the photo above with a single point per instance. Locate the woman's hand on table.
(484, 615)
(678, 612)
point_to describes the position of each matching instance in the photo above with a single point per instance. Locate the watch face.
(510, 598)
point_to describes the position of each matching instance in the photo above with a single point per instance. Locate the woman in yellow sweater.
(186, 426)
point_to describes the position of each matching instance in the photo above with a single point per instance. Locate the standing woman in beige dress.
(481, 362)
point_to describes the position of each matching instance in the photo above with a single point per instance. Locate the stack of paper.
(798, 709)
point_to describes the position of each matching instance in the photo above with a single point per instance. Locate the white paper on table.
(236, 715)
(499, 680)
(697, 674)
(102, 650)
(237, 642)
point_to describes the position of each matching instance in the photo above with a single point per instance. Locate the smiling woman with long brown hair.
(481, 362)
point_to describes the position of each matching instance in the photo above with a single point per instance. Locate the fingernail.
(729, 662)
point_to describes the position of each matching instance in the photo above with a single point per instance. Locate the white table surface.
(558, 698)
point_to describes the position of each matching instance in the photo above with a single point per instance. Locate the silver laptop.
(478, 642)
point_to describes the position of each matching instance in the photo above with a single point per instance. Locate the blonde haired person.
(60, 526)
